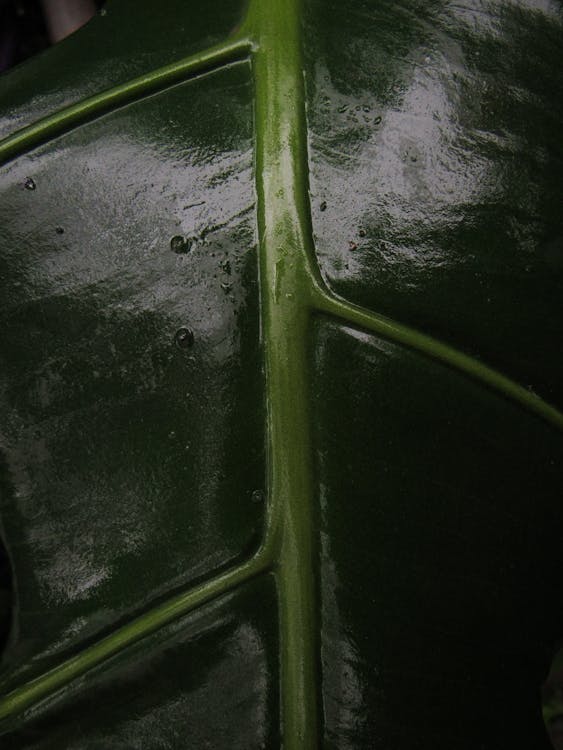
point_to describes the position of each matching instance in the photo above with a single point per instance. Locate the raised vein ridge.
(291, 289)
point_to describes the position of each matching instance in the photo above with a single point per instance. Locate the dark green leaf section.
(130, 454)
(417, 567)
(440, 552)
(6, 595)
(128, 39)
(210, 680)
(436, 172)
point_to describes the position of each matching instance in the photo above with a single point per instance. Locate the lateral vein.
(391, 330)
(232, 50)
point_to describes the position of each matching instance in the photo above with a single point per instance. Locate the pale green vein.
(392, 331)
(31, 692)
(286, 276)
(231, 50)
(290, 289)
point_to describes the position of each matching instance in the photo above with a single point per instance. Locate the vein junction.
(291, 292)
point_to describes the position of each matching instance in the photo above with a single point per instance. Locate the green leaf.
(281, 377)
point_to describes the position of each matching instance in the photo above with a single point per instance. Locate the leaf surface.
(281, 448)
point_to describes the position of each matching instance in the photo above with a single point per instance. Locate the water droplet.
(362, 232)
(103, 12)
(343, 108)
(29, 183)
(171, 435)
(366, 108)
(352, 245)
(258, 496)
(59, 230)
(289, 295)
(179, 245)
(226, 286)
(377, 120)
(184, 338)
(323, 206)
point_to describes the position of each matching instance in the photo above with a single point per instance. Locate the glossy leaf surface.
(128, 444)
(281, 363)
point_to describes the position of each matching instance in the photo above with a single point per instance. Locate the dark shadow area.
(552, 701)
(27, 27)
(6, 578)
(22, 31)
(5, 597)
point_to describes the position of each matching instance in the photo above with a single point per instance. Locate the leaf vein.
(233, 50)
(25, 696)
(326, 302)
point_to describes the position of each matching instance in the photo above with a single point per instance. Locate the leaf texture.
(281, 377)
